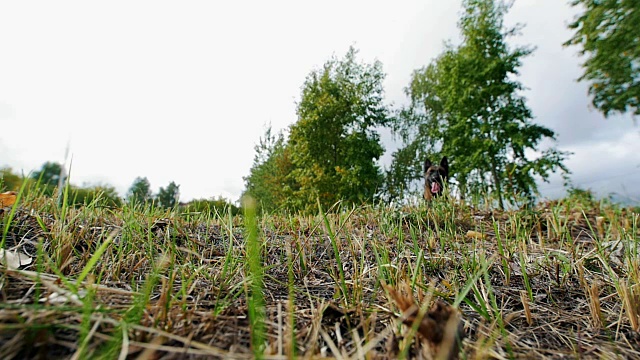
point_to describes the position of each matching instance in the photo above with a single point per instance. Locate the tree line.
(466, 104)
(50, 181)
(51, 177)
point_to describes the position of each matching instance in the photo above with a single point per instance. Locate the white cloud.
(181, 91)
(605, 167)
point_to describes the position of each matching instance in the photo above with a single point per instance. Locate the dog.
(435, 178)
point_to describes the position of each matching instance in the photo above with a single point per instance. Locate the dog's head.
(435, 177)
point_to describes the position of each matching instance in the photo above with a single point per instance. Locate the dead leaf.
(600, 226)
(14, 259)
(474, 235)
(441, 326)
(7, 199)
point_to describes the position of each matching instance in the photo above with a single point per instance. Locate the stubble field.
(442, 280)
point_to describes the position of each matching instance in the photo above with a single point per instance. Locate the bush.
(212, 207)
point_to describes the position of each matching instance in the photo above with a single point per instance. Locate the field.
(561, 280)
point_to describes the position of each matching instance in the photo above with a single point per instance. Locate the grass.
(557, 281)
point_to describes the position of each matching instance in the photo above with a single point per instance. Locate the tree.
(100, 195)
(140, 191)
(467, 105)
(608, 32)
(168, 197)
(213, 207)
(49, 174)
(334, 144)
(9, 180)
(269, 180)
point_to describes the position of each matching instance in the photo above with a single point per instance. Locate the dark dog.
(435, 178)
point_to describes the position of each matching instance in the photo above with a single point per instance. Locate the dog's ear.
(444, 163)
(427, 164)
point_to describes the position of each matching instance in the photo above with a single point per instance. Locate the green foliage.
(46, 179)
(608, 33)
(334, 143)
(49, 174)
(212, 207)
(584, 197)
(332, 148)
(168, 197)
(255, 271)
(9, 180)
(466, 105)
(269, 181)
(140, 191)
(100, 195)
(43, 181)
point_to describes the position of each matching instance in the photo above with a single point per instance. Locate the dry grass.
(560, 281)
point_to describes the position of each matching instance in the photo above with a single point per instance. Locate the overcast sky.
(182, 91)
